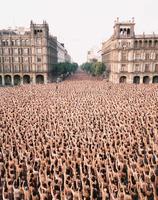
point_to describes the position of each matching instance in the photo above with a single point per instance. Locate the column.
(21, 80)
(3, 80)
(151, 79)
(12, 80)
(33, 79)
(141, 79)
(45, 79)
(130, 79)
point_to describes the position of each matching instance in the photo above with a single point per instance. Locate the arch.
(26, 79)
(155, 79)
(136, 79)
(40, 79)
(121, 31)
(145, 43)
(17, 80)
(0, 80)
(123, 79)
(155, 42)
(150, 43)
(136, 43)
(140, 43)
(7, 80)
(146, 79)
(124, 31)
(128, 31)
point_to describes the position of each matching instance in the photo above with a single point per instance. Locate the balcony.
(123, 71)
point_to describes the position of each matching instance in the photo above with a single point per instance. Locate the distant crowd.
(75, 140)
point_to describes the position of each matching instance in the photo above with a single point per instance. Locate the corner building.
(27, 55)
(131, 58)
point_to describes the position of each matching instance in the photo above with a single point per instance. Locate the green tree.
(95, 68)
(64, 68)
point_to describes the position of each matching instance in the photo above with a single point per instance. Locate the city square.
(83, 138)
(79, 100)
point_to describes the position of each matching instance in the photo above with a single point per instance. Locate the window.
(17, 42)
(123, 68)
(29, 51)
(137, 56)
(39, 59)
(1, 68)
(7, 42)
(136, 44)
(147, 56)
(25, 59)
(39, 68)
(124, 56)
(1, 51)
(10, 59)
(12, 42)
(147, 68)
(26, 68)
(27, 42)
(20, 51)
(6, 51)
(23, 42)
(6, 59)
(25, 51)
(38, 41)
(7, 68)
(3, 43)
(16, 68)
(10, 51)
(137, 68)
(156, 56)
(16, 51)
(150, 43)
(29, 59)
(39, 51)
(16, 59)
(156, 68)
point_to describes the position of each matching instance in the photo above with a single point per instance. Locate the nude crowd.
(75, 140)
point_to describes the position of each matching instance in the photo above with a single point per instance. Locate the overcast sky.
(80, 24)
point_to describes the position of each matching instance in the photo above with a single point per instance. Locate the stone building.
(27, 56)
(63, 55)
(129, 57)
(94, 55)
(67, 57)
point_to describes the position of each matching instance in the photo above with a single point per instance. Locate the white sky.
(80, 24)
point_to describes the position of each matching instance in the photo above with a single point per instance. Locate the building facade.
(129, 57)
(27, 55)
(94, 55)
(67, 57)
(61, 52)
(63, 55)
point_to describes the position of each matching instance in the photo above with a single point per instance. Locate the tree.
(99, 68)
(64, 68)
(95, 68)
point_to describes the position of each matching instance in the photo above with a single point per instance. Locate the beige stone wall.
(130, 56)
(32, 53)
